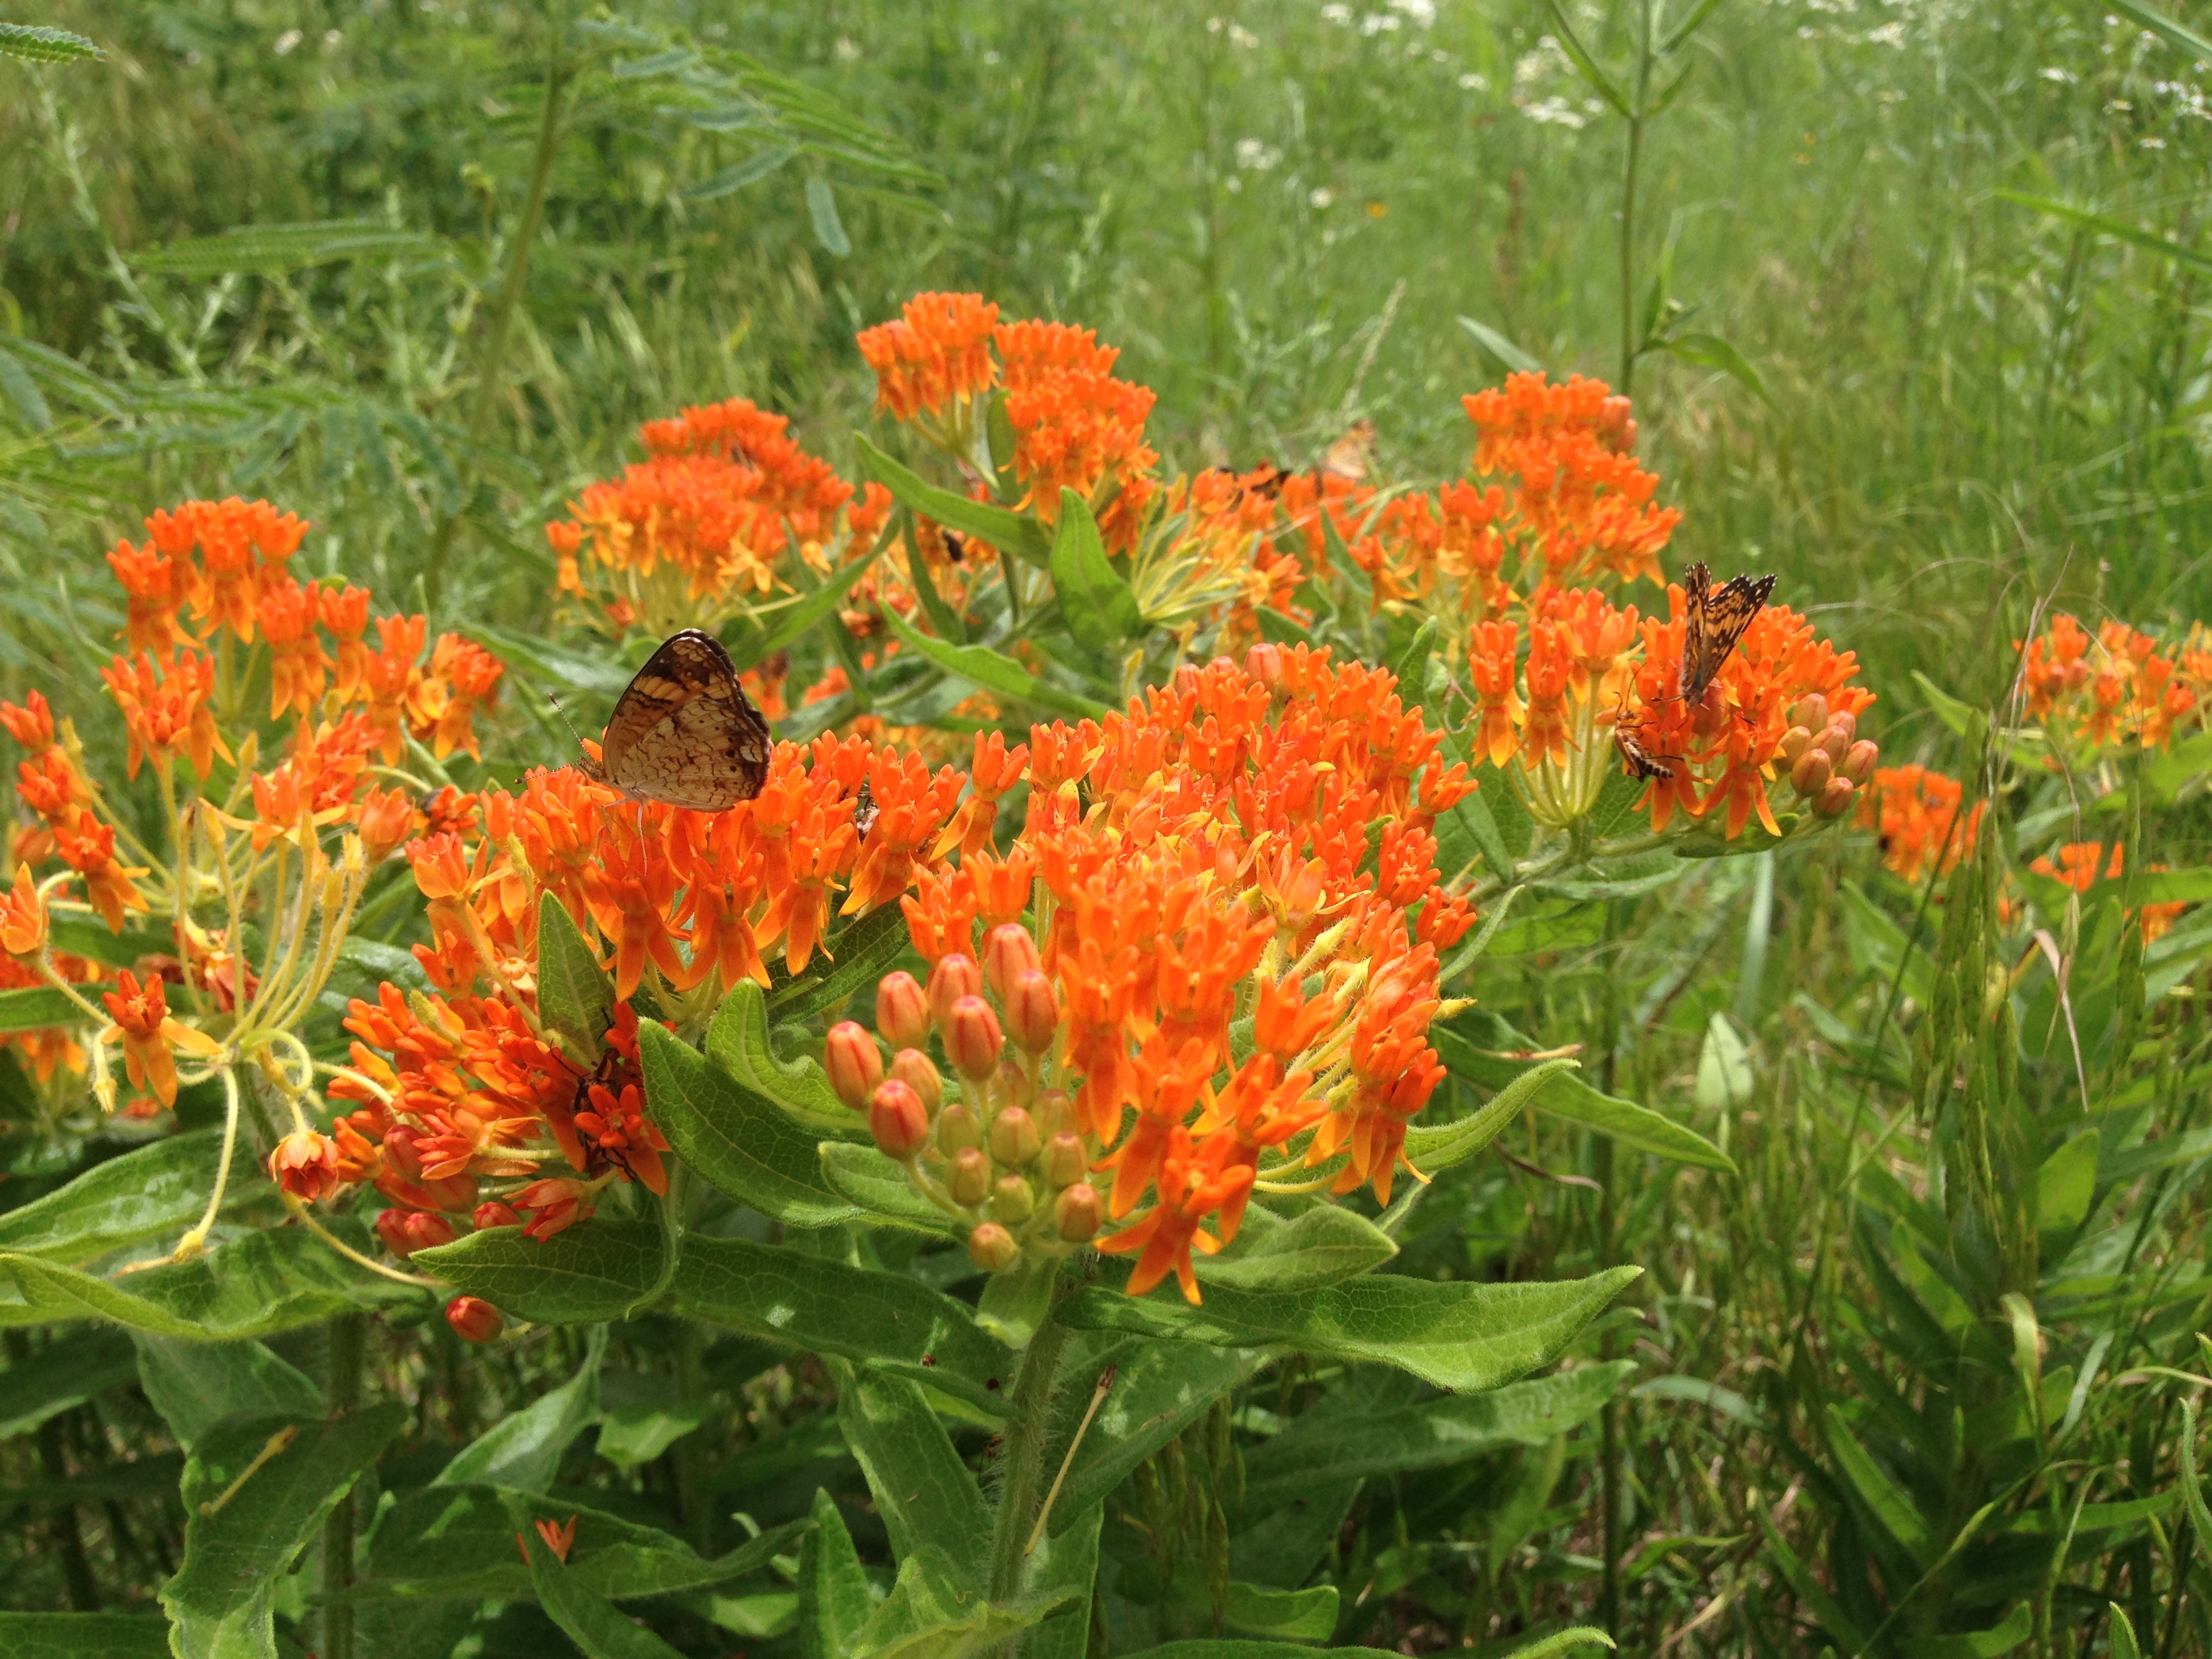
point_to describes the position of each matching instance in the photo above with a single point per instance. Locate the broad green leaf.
(1431, 1148)
(2173, 887)
(833, 1602)
(35, 1007)
(1501, 352)
(866, 950)
(254, 1285)
(1095, 603)
(751, 649)
(1724, 1075)
(81, 936)
(523, 1450)
(1711, 351)
(923, 1491)
(593, 1272)
(195, 1385)
(575, 997)
(1319, 1246)
(638, 1430)
(1286, 1615)
(935, 1613)
(1159, 1390)
(989, 670)
(880, 1188)
(83, 1635)
(65, 1373)
(1460, 1336)
(246, 1517)
(1021, 536)
(585, 1616)
(155, 1191)
(1623, 1120)
(2018, 1626)
(1963, 718)
(1065, 1562)
(1888, 1503)
(1433, 1434)
(888, 1321)
(739, 1141)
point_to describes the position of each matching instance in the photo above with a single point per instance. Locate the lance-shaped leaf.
(989, 670)
(1095, 602)
(750, 648)
(886, 1321)
(1230, 1648)
(922, 1489)
(83, 1635)
(1433, 1147)
(1159, 1390)
(63, 1375)
(739, 1141)
(1460, 1336)
(35, 1007)
(196, 1385)
(1321, 1246)
(834, 1599)
(154, 1192)
(866, 949)
(585, 1615)
(585, 1275)
(523, 1450)
(576, 998)
(1011, 531)
(880, 1187)
(256, 1489)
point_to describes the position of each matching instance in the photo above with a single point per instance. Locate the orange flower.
(1193, 1184)
(141, 1012)
(23, 916)
(305, 1165)
(89, 848)
(165, 710)
(937, 353)
(31, 725)
(1916, 811)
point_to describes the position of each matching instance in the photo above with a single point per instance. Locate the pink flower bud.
(1012, 1200)
(902, 1011)
(1008, 952)
(426, 1231)
(855, 1064)
(1812, 772)
(1845, 721)
(1064, 1160)
(474, 1320)
(1264, 663)
(1835, 800)
(1076, 1213)
(1811, 712)
(1859, 762)
(493, 1214)
(1834, 743)
(958, 1129)
(969, 1180)
(916, 1069)
(992, 1248)
(954, 977)
(1032, 1011)
(972, 1042)
(1795, 742)
(1014, 1140)
(392, 1228)
(898, 1120)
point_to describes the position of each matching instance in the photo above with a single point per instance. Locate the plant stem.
(691, 1450)
(1631, 165)
(348, 1338)
(1602, 1171)
(1023, 1450)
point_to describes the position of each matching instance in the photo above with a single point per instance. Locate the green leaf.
(1203, 1649)
(2192, 1492)
(1502, 354)
(154, 1191)
(822, 209)
(1724, 1075)
(35, 1007)
(1300, 1615)
(2123, 1639)
(923, 1491)
(636, 1431)
(2064, 1185)
(523, 1448)
(1160, 1388)
(866, 950)
(274, 250)
(1891, 1508)
(1095, 604)
(83, 1635)
(81, 936)
(886, 1321)
(2017, 1627)
(2173, 887)
(739, 1141)
(1578, 55)
(238, 1543)
(254, 1285)
(1711, 351)
(37, 43)
(1434, 1434)
(1963, 718)
(756, 647)
(1563, 1641)
(987, 669)
(1320, 1246)
(935, 1613)
(22, 391)
(1461, 1336)
(1433, 1147)
(196, 1385)
(1022, 537)
(586, 1275)
(880, 1188)
(2176, 34)
(587, 1618)
(834, 1600)
(754, 168)
(737, 1042)
(61, 1375)
(575, 997)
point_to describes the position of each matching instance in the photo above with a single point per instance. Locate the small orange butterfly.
(1714, 619)
(685, 732)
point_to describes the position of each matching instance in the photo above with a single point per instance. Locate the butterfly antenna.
(553, 699)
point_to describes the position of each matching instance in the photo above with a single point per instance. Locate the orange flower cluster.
(697, 531)
(2121, 686)
(1221, 550)
(1207, 858)
(1075, 425)
(1915, 811)
(1593, 671)
(467, 1085)
(216, 561)
(2082, 864)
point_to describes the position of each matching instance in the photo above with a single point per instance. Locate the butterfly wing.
(684, 733)
(1714, 620)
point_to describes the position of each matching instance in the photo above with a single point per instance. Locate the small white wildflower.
(1256, 154)
(2152, 142)
(847, 50)
(1242, 38)
(1470, 82)
(287, 40)
(1336, 14)
(1423, 12)
(1377, 21)
(1889, 34)
(333, 39)
(2064, 77)
(1321, 197)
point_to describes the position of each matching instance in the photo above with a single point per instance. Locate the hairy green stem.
(341, 1388)
(1024, 1450)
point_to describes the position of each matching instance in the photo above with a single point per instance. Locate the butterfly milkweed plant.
(1062, 1039)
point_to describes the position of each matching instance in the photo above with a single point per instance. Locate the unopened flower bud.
(305, 1165)
(1835, 800)
(958, 1129)
(1835, 743)
(954, 977)
(972, 1042)
(902, 1011)
(473, 1319)
(1064, 1160)
(969, 1180)
(919, 1072)
(855, 1064)
(1264, 663)
(1008, 952)
(1810, 776)
(1845, 721)
(1014, 1139)
(1859, 762)
(1032, 1011)
(1076, 1213)
(1053, 1111)
(493, 1214)
(1795, 742)
(1186, 679)
(898, 1120)
(993, 1249)
(1010, 1086)
(392, 1228)
(426, 1231)
(1012, 1200)
(1811, 712)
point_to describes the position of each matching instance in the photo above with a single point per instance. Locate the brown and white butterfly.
(686, 734)
(1714, 619)
(1352, 457)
